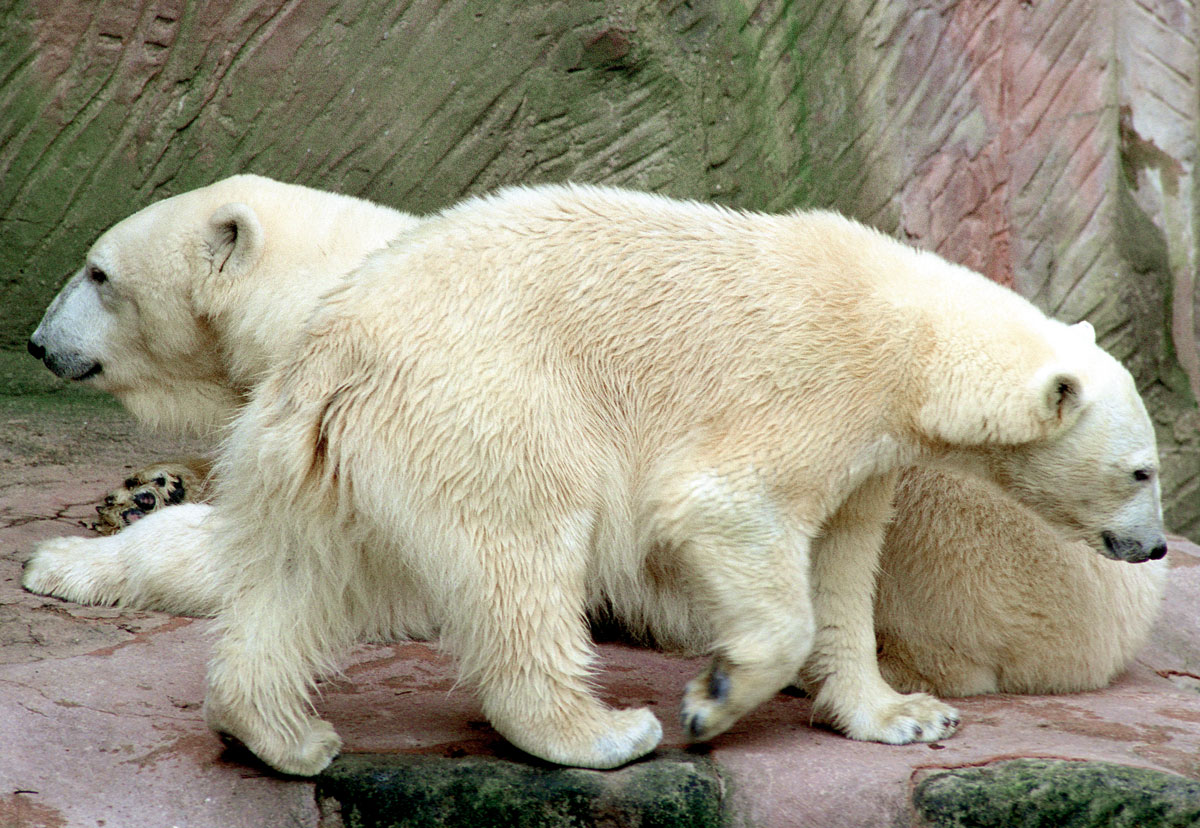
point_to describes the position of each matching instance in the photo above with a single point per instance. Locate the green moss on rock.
(1032, 793)
(483, 792)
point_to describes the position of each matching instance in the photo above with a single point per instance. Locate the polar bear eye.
(1142, 475)
(97, 275)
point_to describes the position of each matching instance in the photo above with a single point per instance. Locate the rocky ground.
(100, 714)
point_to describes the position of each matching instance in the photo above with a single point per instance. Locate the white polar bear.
(561, 399)
(1009, 603)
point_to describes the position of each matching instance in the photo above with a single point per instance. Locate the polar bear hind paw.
(637, 733)
(610, 739)
(913, 718)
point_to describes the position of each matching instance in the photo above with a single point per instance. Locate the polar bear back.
(641, 326)
(724, 307)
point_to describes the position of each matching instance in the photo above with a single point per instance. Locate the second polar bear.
(542, 402)
(550, 399)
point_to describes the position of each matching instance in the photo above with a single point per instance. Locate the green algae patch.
(1032, 793)
(406, 791)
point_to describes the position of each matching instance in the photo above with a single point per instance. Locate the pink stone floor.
(100, 709)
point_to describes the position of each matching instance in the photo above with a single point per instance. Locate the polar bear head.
(178, 308)
(1097, 476)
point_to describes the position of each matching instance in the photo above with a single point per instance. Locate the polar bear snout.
(68, 366)
(73, 334)
(1134, 550)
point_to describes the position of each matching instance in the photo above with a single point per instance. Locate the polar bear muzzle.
(71, 339)
(68, 366)
(1134, 550)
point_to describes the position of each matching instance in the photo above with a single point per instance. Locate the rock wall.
(1050, 145)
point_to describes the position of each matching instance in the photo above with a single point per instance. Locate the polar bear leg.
(259, 695)
(843, 672)
(759, 645)
(162, 562)
(527, 650)
(517, 628)
(276, 634)
(748, 567)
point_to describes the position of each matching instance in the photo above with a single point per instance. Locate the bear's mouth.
(70, 368)
(89, 373)
(1131, 550)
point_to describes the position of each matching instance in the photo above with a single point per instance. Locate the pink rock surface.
(101, 724)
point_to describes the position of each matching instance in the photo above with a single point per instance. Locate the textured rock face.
(674, 790)
(1050, 145)
(1051, 792)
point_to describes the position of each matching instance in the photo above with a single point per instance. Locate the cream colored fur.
(203, 292)
(1008, 604)
(568, 400)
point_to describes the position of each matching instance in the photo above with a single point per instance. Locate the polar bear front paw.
(913, 718)
(74, 569)
(306, 751)
(706, 710)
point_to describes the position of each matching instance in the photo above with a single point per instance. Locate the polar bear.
(1010, 602)
(562, 399)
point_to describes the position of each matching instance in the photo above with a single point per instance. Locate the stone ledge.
(1030, 793)
(418, 791)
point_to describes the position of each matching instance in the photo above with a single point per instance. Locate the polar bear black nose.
(1158, 552)
(35, 350)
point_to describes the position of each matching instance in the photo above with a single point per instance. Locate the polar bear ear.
(235, 239)
(1085, 331)
(1061, 396)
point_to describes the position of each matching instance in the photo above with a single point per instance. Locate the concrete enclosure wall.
(1050, 145)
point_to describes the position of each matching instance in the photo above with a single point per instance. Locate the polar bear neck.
(991, 354)
(313, 244)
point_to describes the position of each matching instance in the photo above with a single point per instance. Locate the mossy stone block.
(1032, 793)
(407, 791)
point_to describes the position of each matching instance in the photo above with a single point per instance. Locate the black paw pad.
(718, 685)
(693, 724)
(178, 492)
